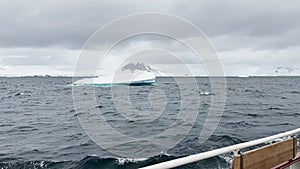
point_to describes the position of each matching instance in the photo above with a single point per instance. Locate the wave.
(89, 162)
(295, 92)
(275, 108)
(95, 162)
(204, 93)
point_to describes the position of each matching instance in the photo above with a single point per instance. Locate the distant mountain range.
(287, 70)
(280, 71)
(159, 70)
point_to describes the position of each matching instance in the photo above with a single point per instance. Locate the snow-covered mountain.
(166, 70)
(279, 71)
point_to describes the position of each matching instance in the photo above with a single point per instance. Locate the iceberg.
(139, 75)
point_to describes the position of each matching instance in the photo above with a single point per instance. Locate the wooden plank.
(266, 157)
(295, 162)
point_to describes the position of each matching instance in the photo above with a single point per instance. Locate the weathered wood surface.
(266, 157)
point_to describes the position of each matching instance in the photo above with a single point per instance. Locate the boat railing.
(234, 148)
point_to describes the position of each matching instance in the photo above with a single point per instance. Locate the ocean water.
(39, 126)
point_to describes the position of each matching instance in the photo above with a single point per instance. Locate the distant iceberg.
(130, 74)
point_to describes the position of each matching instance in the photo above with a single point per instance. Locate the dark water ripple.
(39, 126)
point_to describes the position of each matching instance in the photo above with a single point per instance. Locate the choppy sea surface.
(39, 126)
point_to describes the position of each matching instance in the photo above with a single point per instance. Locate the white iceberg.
(129, 75)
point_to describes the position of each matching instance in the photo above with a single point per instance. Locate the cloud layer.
(248, 35)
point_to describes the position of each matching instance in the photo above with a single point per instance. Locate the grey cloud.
(37, 56)
(44, 29)
(33, 60)
(69, 23)
(290, 38)
(261, 58)
(158, 56)
(251, 18)
(253, 23)
(66, 24)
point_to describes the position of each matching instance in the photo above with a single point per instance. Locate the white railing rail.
(201, 156)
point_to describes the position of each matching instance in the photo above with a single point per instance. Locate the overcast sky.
(250, 36)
